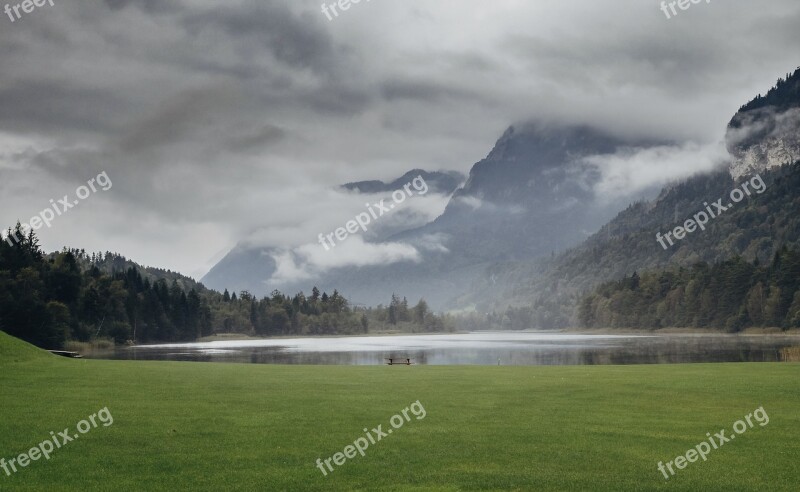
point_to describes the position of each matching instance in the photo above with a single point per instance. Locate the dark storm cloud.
(296, 40)
(185, 117)
(52, 107)
(151, 6)
(267, 135)
(424, 91)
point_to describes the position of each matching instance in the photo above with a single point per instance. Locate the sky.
(225, 122)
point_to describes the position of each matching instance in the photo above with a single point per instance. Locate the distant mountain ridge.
(437, 181)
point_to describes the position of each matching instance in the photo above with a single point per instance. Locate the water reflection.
(483, 348)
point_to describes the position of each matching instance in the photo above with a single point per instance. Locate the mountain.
(243, 268)
(532, 195)
(504, 238)
(438, 182)
(248, 268)
(755, 229)
(765, 133)
(743, 271)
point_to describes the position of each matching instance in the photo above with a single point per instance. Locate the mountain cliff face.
(765, 133)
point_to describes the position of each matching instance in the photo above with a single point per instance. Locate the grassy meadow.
(206, 426)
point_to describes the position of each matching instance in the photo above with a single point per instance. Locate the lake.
(479, 348)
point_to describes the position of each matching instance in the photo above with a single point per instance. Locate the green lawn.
(201, 426)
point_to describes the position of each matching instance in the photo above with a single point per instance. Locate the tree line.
(73, 295)
(319, 314)
(730, 295)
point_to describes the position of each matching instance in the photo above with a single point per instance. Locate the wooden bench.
(393, 359)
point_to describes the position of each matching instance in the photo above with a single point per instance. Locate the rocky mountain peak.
(765, 133)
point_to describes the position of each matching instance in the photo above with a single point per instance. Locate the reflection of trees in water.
(679, 349)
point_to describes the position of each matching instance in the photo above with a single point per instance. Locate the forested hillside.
(756, 228)
(785, 95)
(733, 295)
(71, 295)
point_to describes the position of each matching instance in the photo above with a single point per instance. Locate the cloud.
(433, 242)
(470, 201)
(311, 260)
(229, 123)
(634, 170)
(761, 124)
(258, 139)
(193, 115)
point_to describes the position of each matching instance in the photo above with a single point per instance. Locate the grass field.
(201, 426)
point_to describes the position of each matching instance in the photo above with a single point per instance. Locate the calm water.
(480, 348)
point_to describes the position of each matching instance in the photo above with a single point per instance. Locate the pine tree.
(420, 312)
